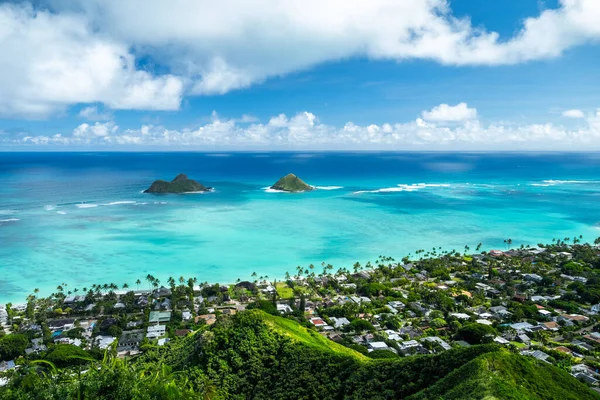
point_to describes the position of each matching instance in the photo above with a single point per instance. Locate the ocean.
(81, 218)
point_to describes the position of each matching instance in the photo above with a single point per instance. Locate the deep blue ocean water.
(81, 218)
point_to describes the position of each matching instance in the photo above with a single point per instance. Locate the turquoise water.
(82, 219)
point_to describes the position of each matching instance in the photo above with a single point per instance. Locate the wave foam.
(405, 188)
(554, 182)
(9, 220)
(116, 203)
(7, 212)
(86, 205)
(328, 187)
(269, 190)
(61, 212)
(49, 207)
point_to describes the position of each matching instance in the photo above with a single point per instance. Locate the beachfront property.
(399, 309)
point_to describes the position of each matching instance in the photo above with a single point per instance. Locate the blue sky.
(323, 75)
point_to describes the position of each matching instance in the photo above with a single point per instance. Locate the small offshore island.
(291, 183)
(181, 184)
(519, 323)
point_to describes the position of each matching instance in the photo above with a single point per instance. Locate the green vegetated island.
(291, 183)
(506, 324)
(181, 184)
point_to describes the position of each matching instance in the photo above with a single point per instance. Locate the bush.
(265, 305)
(67, 355)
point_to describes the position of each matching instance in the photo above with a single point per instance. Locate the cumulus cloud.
(444, 112)
(93, 114)
(52, 60)
(573, 114)
(74, 51)
(305, 131)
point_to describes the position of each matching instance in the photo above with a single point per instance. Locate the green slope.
(502, 375)
(299, 334)
(254, 355)
(291, 183)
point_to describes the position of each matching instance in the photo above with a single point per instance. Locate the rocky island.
(181, 184)
(291, 183)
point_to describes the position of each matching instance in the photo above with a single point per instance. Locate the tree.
(477, 333)
(12, 346)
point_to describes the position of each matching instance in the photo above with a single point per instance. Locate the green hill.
(502, 375)
(291, 183)
(181, 184)
(253, 355)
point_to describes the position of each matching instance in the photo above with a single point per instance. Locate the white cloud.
(305, 131)
(93, 114)
(573, 114)
(85, 51)
(88, 132)
(444, 112)
(50, 61)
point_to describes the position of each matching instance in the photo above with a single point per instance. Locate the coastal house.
(339, 322)
(130, 340)
(318, 322)
(438, 341)
(159, 317)
(284, 308)
(532, 278)
(379, 346)
(461, 316)
(156, 331)
(61, 324)
(103, 342)
(186, 315)
(7, 365)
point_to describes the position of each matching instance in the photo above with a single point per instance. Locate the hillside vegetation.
(253, 355)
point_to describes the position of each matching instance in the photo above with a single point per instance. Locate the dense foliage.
(253, 355)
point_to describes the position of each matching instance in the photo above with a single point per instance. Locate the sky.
(453, 75)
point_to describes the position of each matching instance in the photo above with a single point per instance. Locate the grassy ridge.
(298, 333)
(502, 375)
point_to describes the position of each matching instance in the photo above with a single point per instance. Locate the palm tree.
(125, 286)
(181, 280)
(138, 284)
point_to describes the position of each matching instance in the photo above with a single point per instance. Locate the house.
(284, 308)
(159, 317)
(484, 322)
(7, 365)
(156, 331)
(595, 308)
(392, 335)
(437, 340)
(61, 324)
(501, 340)
(103, 342)
(318, 322)
(551, 326)
(461, 316)
(594, 337)
(186, 315)
(573, 318)
(521, 326)
(532, 278)
(378, 346)
(523, 338)
(339, 322)
(130, 340)
(540, 355)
